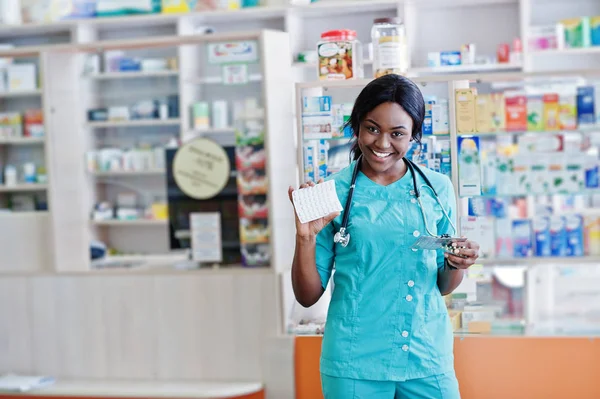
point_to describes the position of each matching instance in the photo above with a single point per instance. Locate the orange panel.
(307, 353)
(514, 367)
(495, 367)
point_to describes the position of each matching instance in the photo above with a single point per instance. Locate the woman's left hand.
(464, 254)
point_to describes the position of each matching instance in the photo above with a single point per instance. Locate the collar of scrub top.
(343, 237)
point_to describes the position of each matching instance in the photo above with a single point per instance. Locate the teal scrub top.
(387, 320)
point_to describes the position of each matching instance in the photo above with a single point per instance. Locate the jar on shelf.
(390, 50)
(340, 55)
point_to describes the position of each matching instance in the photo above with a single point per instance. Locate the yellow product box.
(592, 235)
(183, 6)
(483, 111)
(567, 110)
(551, 112)
(455, 319)
(466, 120)
(160, 211)
(498, 111)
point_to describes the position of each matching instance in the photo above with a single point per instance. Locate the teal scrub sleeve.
(448, 200)
(325, 253)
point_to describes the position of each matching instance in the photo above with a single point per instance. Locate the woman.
(388, 333)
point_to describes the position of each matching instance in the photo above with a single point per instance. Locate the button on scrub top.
(387, 320)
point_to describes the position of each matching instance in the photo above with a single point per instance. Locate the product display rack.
(305, 23)
(522, 274)
(147, 236)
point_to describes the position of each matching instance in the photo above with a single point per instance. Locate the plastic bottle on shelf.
(340, 55)
(390, 52)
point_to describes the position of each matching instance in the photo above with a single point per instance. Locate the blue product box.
(541, 232)
(574, 233)
(450, 58)
(479, 206)
(592, 172)
(595, 28)
(309, 162)
(321, 170)
(428, 121)
(558, 236)
(446, 166)
(498, 208)
(586, 114)
(129, 65)
(522, 238)
(313, 105)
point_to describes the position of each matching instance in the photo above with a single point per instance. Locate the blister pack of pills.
(312, 203)
(434, 243)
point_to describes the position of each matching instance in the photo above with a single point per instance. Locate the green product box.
(577, 32)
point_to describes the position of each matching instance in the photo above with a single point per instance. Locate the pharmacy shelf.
(460, 3)
(18, 141)
(212, 130)
(117, 173)
(217, 80)
(538, 261)
(474, 68)
(568, 51)
(133, 75)
(23, 187)
(338, 7)
(581, 129)
(135, 123)
(21, 94)
(130, 223)
(314, 64)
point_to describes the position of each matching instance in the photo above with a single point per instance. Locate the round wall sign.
(201, 168)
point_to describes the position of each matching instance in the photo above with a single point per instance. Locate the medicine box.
(484, 113)
(574, 231)
(516, 112)
(541, 231)
(465, 111)
(439, 116)
(595, 30)
(522, 238)
(319, 105)
(577, 32)
(21, 77)
(567, 109)
(586, 114)
(558, 236)
(201, 115)
(450, 58)
(428, 120)
(551, 111)
(535, 112)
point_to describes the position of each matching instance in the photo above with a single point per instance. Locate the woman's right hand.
(310, 229)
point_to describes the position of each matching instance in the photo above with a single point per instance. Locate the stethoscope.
(343, 237)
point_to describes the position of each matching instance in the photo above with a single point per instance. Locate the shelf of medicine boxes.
(345, 91)
(123, 88)
(22, 93)
(274, 92)
(536, 84)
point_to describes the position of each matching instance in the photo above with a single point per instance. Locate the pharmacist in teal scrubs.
(388, 334)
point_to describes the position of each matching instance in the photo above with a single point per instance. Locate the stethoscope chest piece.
(342, 237)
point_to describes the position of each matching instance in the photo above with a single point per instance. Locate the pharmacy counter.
(494, 367)
(96, 389)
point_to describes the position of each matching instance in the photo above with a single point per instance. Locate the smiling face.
(385, 137)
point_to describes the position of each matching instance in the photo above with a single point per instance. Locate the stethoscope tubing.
(413, 168)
